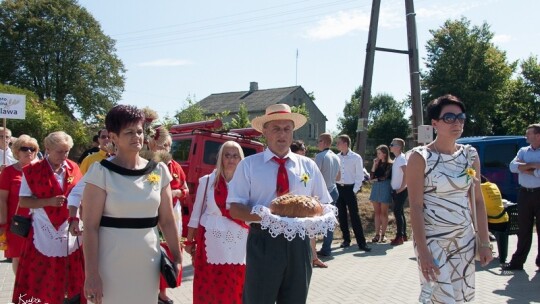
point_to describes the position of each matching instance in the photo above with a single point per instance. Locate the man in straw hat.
(277, 270)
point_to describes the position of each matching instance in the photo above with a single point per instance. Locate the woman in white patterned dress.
(439, 177)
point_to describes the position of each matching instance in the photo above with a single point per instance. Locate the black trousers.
(399, 202)
(528, 214)
(347, 200)
(277, 270)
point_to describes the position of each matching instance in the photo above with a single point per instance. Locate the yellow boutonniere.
(304, 179)
(175, 176)
(471, 172)
(153, 178)
(70, 179)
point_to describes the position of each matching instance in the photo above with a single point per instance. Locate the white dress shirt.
(352, 170)
(254, 181)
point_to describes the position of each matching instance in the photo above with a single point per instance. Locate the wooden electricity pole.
(414, 72)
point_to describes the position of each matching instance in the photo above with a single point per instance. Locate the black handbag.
(20, 225)
(168, 269)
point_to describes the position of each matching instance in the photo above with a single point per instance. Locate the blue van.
(496, 153)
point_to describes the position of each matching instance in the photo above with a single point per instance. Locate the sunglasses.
(26, 149)
(451, 118)
(231, 156)
(394, 145)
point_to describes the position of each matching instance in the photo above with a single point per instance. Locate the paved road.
(385, 275)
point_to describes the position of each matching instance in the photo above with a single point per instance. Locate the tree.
(348, 123)
(462, 61)
(56, 49)
(242, 118)
(521, 107)
(192, 112)
(387, 120)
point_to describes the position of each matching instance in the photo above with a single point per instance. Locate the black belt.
(131, 223)
(345, 185)
(530, 189)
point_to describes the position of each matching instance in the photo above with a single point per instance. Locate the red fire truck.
(195, 146)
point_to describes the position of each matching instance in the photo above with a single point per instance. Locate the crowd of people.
(129, 203)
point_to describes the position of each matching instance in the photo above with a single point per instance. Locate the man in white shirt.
(328, 163)
(5, 151)
(352, 176)
(277, 270)
(399, 190)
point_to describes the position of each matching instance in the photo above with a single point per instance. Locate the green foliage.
(56, 49)
(462, 61)
(349, 121)
(521, 106)
(241, 119)
(301, 109)
(192, 112)
(45, 117)
(387, 121)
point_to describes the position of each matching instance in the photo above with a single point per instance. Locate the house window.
(309, 134)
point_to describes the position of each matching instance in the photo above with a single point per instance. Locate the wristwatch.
(486, 245)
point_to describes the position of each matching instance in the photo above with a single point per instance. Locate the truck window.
(211, 149)
(501, 155)
(180, 149)
(248, 151)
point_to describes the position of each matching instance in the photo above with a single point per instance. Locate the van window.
(504, 155)
(180, 149)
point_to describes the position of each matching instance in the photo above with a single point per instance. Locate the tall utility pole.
(414, 72)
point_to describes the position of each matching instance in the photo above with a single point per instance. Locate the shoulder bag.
(20, 224)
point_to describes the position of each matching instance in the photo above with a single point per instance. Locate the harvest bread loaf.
(296, 206)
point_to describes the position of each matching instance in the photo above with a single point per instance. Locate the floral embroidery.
(304, 179)
(70, 180)
(153, 178)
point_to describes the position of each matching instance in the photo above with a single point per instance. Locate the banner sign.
(12, 106)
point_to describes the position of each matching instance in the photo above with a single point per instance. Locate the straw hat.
(278, 111)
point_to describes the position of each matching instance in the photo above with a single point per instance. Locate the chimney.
(253, 86)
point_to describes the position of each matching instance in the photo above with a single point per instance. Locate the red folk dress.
(10, 180)
(41, 277)
(217, 283)
(178, 181)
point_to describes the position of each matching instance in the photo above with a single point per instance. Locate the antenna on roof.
(296, 80)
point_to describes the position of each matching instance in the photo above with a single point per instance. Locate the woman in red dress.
(25, 149)
(51, 263)
(219, 250)
(160, 144)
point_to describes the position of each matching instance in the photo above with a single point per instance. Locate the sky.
(175, 50)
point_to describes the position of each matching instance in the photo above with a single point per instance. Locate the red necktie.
(282, 184)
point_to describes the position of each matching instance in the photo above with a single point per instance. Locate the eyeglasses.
(450, 118)
(104, 137)
(231, 156)
(394, 145)
(26, 149)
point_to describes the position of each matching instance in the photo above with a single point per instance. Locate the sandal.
(317, 263)
(161, 301)
(383, 239)
(375, 239)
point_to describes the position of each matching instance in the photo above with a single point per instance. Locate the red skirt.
(15, 245)
(43, 278)
(162, 284)
(215, 283)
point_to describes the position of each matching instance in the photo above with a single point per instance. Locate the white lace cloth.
(225, 240)
(290, 227)
(49, 241)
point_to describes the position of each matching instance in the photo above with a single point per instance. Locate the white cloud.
(166, 62)
(502, 38)
(357, 20)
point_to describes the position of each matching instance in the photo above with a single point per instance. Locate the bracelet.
(486, 245)
(72, 218)
(189, 243)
